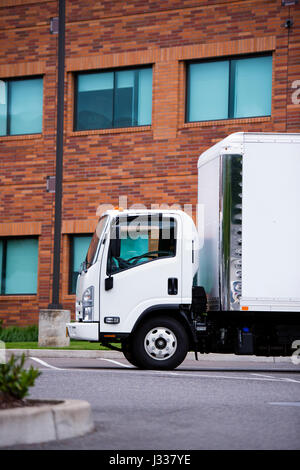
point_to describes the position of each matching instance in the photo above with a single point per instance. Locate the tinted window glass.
(3, 107)
(25, 106)
(79, 248)
(21, 106)
(142, 240)
(233, 88)
(19, 266)
(253, 85)
(98, 234)
(208, 90)
(120, 98)
(95, 101)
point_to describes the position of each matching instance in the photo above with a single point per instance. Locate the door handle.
(172, 286)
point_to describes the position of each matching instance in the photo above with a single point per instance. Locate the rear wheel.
(160, 343)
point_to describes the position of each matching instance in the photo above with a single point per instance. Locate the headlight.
(88, 304)
(88, 296)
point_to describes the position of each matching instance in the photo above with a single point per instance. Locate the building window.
(231, 88)
(79, 245)
(18, 265)
(21, 106)
(113, 99)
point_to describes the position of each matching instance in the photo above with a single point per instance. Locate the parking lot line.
(265, 376)
(292, 403)
(263, 379)
(117, 363)
(43, 363)
(183, 374)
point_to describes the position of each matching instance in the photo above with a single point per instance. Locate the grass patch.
(17, 333)
(75, 345)
(16, 337)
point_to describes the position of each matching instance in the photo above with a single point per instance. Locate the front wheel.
(127, 351)
(160, 343)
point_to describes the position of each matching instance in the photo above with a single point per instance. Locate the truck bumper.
(83, 331)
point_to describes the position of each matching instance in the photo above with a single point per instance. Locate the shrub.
(18, 334)
(15, 380)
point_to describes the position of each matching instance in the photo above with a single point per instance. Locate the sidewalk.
(92, 354)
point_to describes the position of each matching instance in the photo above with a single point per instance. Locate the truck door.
(141, 268)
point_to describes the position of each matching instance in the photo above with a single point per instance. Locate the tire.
(127, 351)
(160, 343)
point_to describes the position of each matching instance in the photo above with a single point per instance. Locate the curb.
(64, 353)
(36, 424)
(92, 354)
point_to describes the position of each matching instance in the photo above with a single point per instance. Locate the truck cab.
(139, 267)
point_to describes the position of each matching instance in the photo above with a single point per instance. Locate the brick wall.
(151, 164)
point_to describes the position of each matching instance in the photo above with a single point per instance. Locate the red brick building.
(172, 78)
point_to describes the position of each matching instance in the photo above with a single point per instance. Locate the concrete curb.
(36, 424)
(64, 353)
(92, 354)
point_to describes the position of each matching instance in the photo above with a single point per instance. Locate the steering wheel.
(150, 254)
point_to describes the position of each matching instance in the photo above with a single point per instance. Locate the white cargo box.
(249, 222)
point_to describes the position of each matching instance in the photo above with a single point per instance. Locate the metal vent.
(54, 25)
(50, 184)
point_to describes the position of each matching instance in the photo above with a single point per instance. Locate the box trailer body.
(249, 222)
(230, 286)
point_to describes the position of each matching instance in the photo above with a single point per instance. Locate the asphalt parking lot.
(200, 405)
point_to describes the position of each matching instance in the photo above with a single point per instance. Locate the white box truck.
(160, 287)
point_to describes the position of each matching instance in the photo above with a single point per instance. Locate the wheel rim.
(160, 343)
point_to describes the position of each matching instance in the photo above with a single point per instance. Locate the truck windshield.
(95, 240)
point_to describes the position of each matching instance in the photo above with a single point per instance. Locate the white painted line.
(291, 403)
(290, 380)
(182, 374)
(266, 376)
(43, 363)
(284, 379)
(262, 379)
(116, 362)
(153, 373)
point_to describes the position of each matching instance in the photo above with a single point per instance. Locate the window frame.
(173, 218)
(8, 80)
(114, 71)
(3, 267)
(231, 89)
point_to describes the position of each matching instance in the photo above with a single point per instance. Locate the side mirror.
(109, 283)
